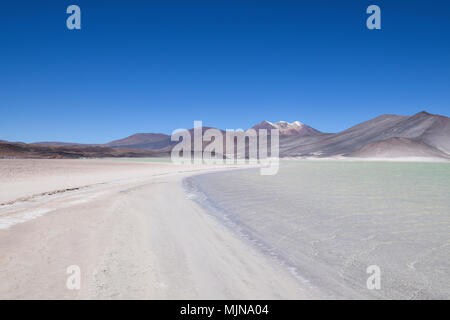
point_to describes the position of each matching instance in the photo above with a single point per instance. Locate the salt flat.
(131, 230)
(308, 232)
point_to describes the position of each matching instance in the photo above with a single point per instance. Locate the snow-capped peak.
(287, 128)
(287, 125)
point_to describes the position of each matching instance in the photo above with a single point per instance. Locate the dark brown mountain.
(23, 150)
(149, 141)
(420, 134)
(56, 143)
(143, 141)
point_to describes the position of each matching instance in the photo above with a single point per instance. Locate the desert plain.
(130, 229)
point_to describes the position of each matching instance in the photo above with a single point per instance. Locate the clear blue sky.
(154, 66)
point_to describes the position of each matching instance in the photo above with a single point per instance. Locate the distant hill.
(143, 141)
(398, 148)
(422, 134)
(346, 141)
(56, 143)
(433, 130)
(22, 150)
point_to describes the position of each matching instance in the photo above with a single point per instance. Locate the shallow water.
(165, 160)
(327, 221)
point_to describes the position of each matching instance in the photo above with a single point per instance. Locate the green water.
(136, 159)
(327, 221)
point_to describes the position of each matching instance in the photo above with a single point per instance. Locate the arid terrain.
(422, 135)
(131, 230)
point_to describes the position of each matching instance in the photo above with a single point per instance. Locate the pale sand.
(130, 228)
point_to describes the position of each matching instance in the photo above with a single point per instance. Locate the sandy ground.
(131, 230)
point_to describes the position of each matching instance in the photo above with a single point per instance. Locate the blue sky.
(154, 66)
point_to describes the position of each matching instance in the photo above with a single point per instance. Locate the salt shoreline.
(140, 238)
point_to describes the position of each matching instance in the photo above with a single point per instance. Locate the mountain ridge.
(287, 129)
(427, 133)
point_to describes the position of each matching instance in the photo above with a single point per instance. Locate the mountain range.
(420, 135)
